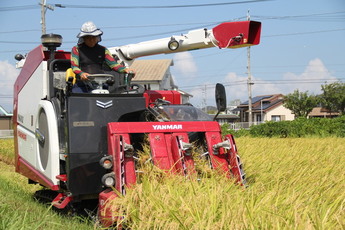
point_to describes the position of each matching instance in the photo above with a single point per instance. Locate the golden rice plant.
(7, 150)
(293, 184)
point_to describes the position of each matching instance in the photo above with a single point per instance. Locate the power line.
(15, 8)
(266, 82)
(244, 82)
(169, 32)
(30, 7)
(204, 24)
(16, 42)
(303, 33)
(19, 31)
(339, 16)
(201, 24)
(159, 7)
(258, 17)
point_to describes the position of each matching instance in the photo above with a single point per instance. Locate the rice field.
(293, 183)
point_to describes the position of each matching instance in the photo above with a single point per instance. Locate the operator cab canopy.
(181, 113)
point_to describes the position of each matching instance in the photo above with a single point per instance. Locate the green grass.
(18, 209)
(294, 183)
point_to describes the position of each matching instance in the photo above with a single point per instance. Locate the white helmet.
(89, 29)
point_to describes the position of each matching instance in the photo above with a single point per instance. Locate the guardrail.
(6, 133)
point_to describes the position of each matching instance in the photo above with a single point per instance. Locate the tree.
(333, 97)
(300, 103)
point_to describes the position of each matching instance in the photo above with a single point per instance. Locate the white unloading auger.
(225, 35)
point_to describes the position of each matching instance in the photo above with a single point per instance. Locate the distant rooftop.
(267, 105)
(263, 102)
(151, 70)
(3, 112)
(256, 99)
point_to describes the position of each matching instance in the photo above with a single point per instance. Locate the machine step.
(61, 201)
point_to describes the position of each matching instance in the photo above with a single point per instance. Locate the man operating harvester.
(87, 57)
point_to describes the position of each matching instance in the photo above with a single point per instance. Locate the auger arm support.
(225, 35)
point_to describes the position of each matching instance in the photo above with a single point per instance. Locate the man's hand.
(128, 70)
(84, 76)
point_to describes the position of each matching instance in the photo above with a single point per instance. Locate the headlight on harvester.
(173, 44)
(106, 162)
(109, 179)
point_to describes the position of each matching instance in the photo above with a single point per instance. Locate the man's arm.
(75, 61)
(113, 64)
(75, 64)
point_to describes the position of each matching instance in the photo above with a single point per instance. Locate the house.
(266, 108)
(322, 112)
(155, 75)
(226, 118)
(5, 119)
(229, 116)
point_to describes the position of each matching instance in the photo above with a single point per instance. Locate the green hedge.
(300, 127)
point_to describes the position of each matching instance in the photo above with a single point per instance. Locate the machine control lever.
(39, 136)
(187, 147)
(225, 144)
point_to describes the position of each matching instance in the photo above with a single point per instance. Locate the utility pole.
(44, 8)
(204, 98)
(249, 83)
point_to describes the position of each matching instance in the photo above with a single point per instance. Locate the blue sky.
(302, 41)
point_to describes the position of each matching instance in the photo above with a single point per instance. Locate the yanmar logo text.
(165, 127)
(22, 135)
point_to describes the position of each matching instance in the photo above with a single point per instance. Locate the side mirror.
(220, 97)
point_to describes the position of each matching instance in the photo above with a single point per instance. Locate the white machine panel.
(28, 99)
(26, 145)
(48, 165)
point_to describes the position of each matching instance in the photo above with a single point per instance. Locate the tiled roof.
(3, 112)
(150, 70)
(268, 105)
(267, 102)
(256, 99)
(319, 111)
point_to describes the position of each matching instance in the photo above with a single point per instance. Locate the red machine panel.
(237, 34)
(170, 95)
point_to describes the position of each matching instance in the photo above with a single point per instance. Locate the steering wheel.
(136, 88)
(102, 78)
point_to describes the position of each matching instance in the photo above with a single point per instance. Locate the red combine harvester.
(82, 146)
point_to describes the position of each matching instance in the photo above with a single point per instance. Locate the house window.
(275, 118)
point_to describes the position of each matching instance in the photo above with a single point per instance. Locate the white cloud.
(8, 75)
(315, 71)
(237, 88)
(184, 65)
(315, 74)
(200, 93)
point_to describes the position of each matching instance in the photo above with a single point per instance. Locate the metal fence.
(242, 125)
(6, 133)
